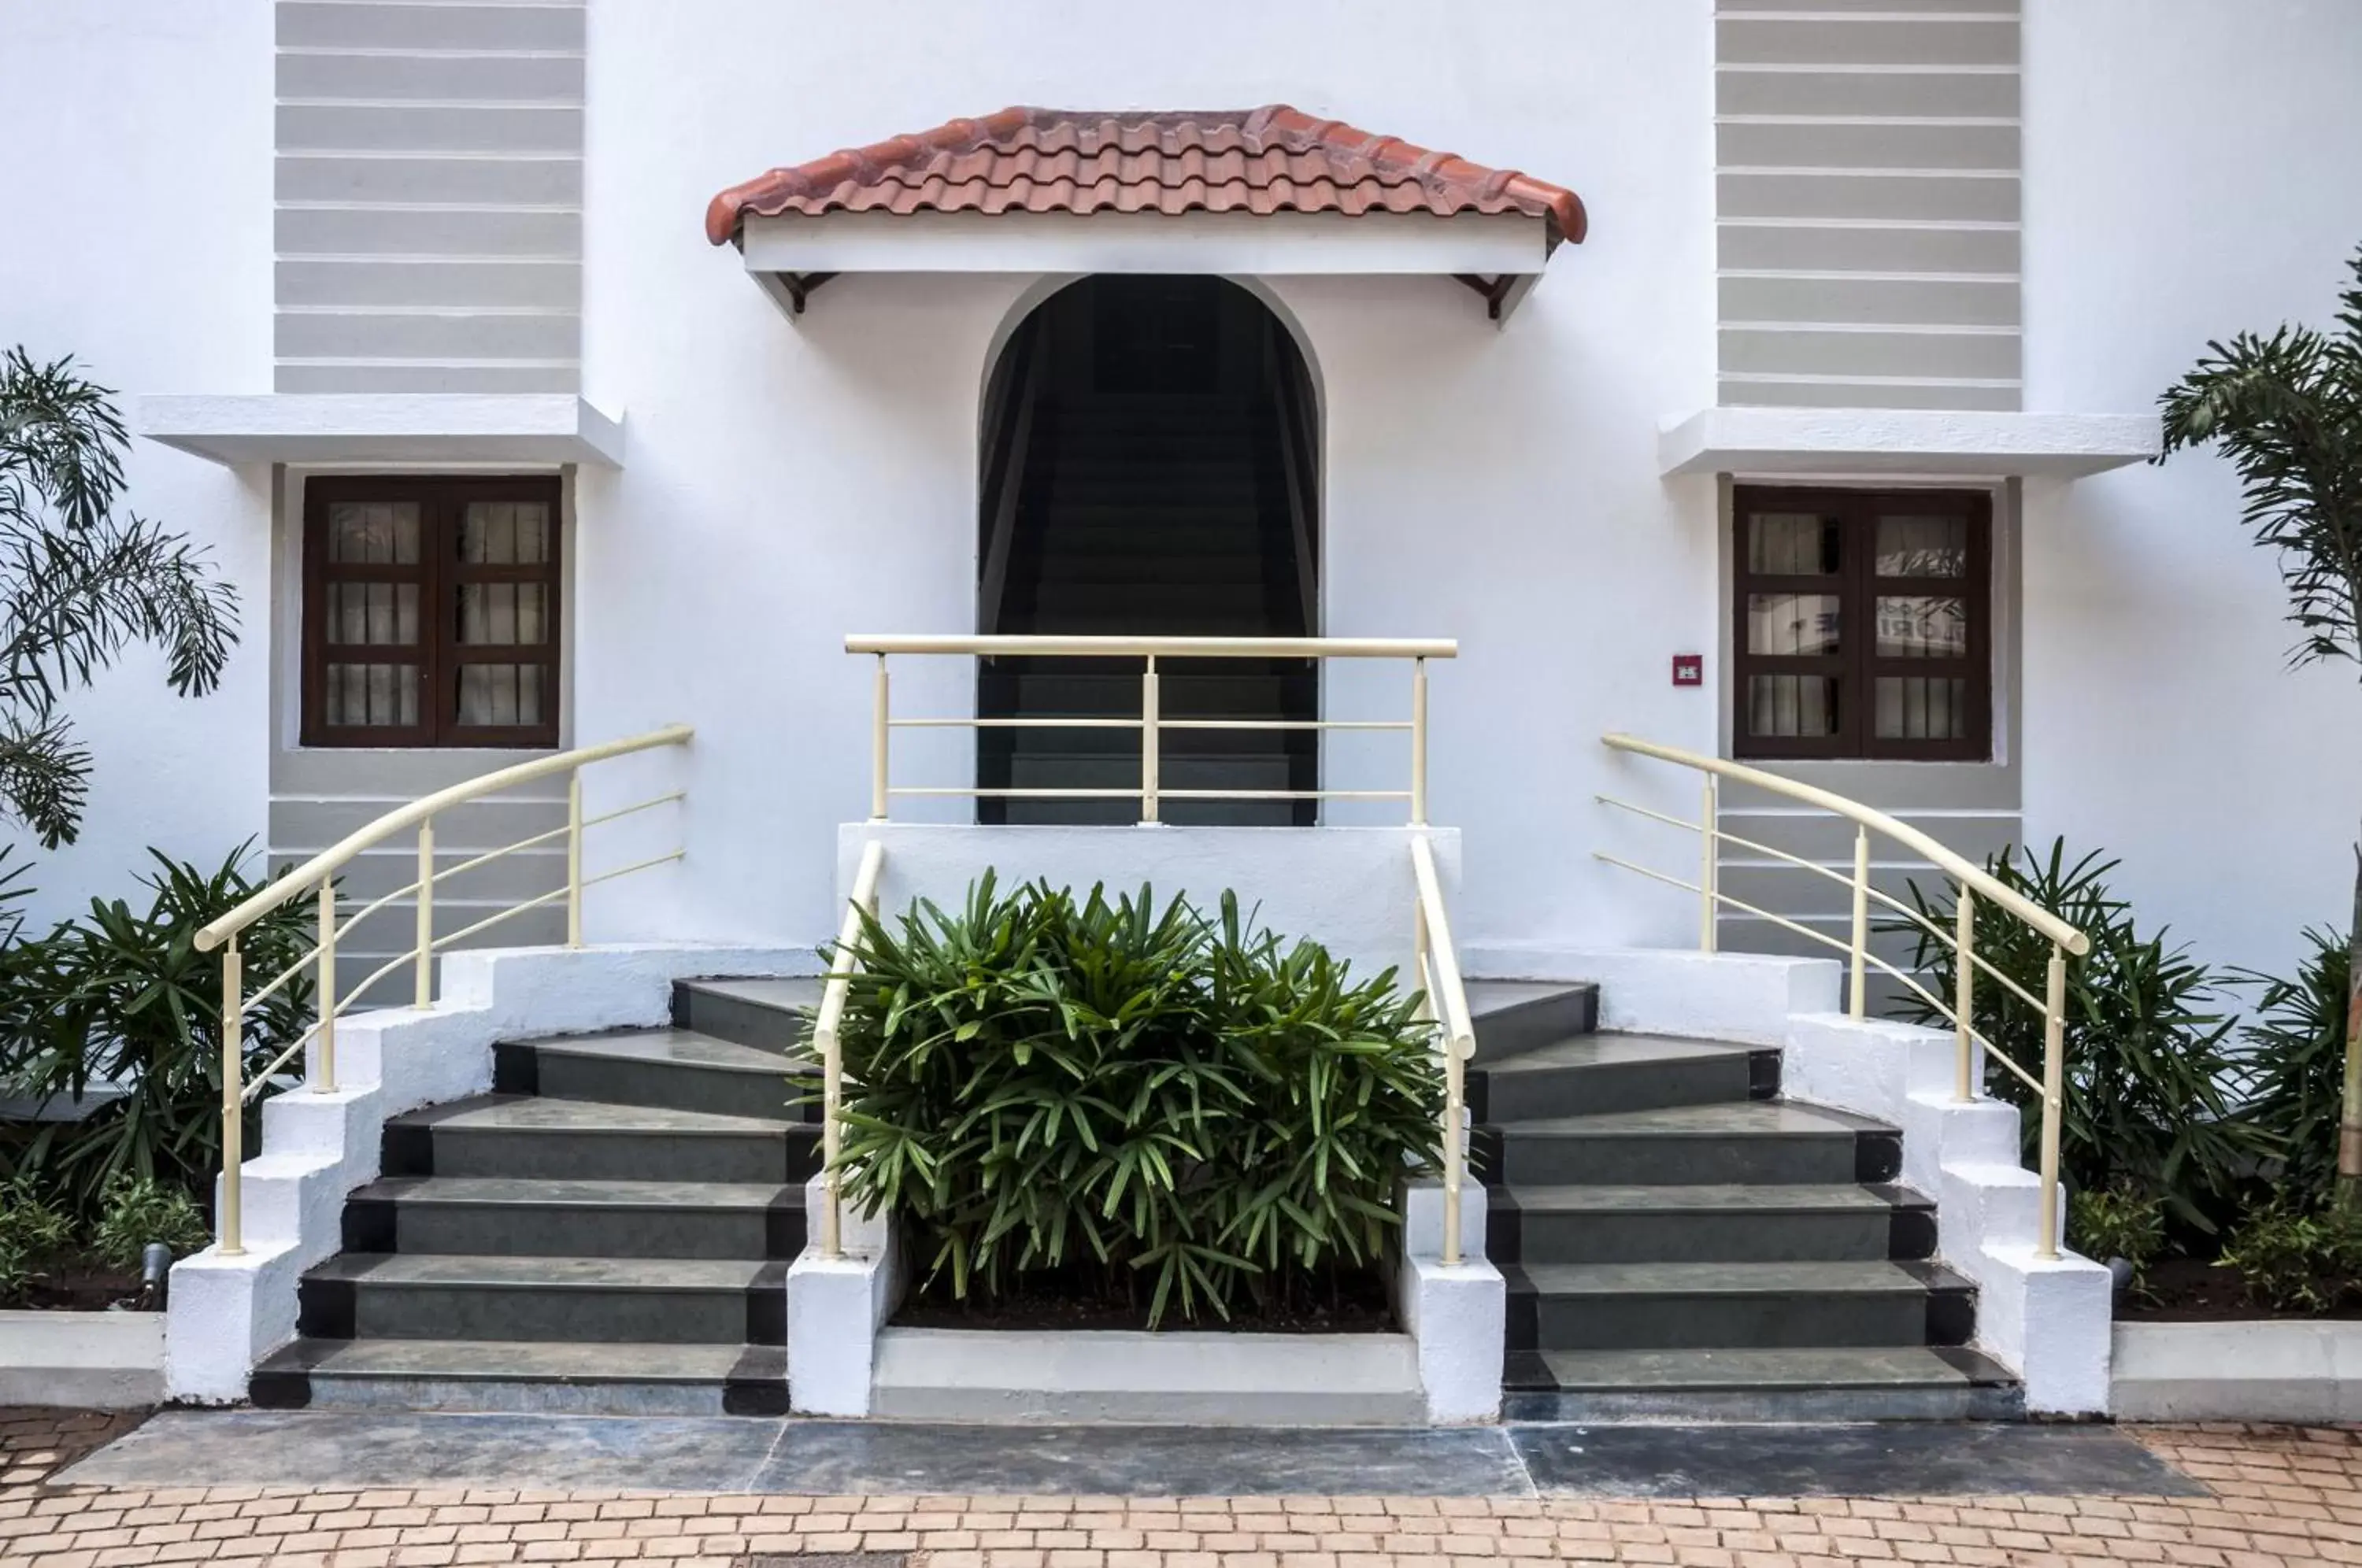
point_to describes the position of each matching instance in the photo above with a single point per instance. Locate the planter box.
(91, 1360)
(2244, 1370)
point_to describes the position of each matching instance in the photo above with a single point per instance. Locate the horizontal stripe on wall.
(389, 378)
(1979, 356)
(486, 79)
(1819, 247)
(512, 182)
(385, 231)
(1829, 94)
(389, 127)
(1914, 302)
(1877, 197)
(1924, 7)
(1788, 144)
(350, 26)
(495, 285)
(1734, 391)
(459, 336)
(1747, 41)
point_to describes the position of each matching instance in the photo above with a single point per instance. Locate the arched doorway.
(1149, 466)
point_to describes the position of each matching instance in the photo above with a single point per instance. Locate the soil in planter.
(2190, 1290)
(79, 1284)
(1359, 1304)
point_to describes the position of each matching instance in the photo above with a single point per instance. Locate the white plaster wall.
(788, 484)
(2190, 171)
(135, 202)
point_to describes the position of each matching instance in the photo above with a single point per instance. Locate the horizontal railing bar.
(257, 1082)
(326, 863)
(636, 866)
(1013, 723)
(289, 973)
(514, 909)
(647, 805)
(487, 857)
(1305, 725)
(965, 792)
(1283, 794)
(1981, 882)
(1001, 646)
(1682, 823)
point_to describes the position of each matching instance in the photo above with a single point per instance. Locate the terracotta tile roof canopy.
(1271, 160)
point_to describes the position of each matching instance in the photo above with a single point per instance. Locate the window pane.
(1922, 626)
(1792, 623)
(1923, 546)
(1920, 707)
(502, 613)
(499, 695)
(366, 613)
(1792, 706)
(373, 533)
(1791, 543)
(505, 533)
(372, 695)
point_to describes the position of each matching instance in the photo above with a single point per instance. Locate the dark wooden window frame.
(439, 575)
(1857, 588)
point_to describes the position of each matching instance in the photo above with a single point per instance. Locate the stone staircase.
(608, 1231)
(1680, 1241)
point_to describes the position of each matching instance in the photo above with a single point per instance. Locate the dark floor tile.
(1898, 1460)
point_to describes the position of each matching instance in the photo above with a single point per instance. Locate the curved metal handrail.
(1983, 882)
(329, 861)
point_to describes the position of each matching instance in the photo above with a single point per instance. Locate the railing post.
(1709, 861)
(327, 988)
(878, 727)
(574, 858)
(1858, 1004)
(1419, 742)
(2054, 1084)
(422, 995)
(1964, 992)
(228, 1239)
(832, 1140)
(1455, 1141)
(1148, 741)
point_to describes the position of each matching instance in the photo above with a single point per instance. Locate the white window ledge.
(404, 430)
(1946, 443)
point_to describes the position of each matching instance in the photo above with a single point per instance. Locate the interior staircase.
(608, 1231)
(1147, 513)
(1681, 1243)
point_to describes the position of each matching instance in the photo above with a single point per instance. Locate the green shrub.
(2296, 1060)
(2294, 1258)
(33, 1232)
(1046, 1087)
(2116, 1222)
(122, 996)
(2149, 1074)
(135, 1211)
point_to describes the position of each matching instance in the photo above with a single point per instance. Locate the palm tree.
(79, 584)
(2287, 410)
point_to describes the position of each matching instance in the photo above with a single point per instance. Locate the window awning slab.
(395, 430)
(1269, 190)
(1758, 442)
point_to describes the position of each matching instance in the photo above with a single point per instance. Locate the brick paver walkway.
(2281, 1495)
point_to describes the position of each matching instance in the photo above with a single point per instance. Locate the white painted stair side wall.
(2047, 1321)
(837, 1308)
(227, 1313)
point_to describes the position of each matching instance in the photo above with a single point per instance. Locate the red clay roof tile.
(1274, 159)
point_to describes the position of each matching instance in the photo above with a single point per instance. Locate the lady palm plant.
(1043, 1087)
(2286, 408)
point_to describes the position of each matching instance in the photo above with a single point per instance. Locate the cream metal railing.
(1447, 1003)
(1972, 883)
(1152, 723)
(317, 876)
(826, 1025)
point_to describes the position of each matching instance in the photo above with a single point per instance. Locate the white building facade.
(1844, 282)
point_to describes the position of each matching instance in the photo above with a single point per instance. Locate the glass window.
(1861, 623)
(431, 611)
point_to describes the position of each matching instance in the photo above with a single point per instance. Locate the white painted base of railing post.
(1422, 1211)
(835, 1307)
(1458, 1317)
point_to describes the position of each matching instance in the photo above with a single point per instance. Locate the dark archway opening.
(1150, 466)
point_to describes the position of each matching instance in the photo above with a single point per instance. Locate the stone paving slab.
(2267, 1498)
(295, 1448)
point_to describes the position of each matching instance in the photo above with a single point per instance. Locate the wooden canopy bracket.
(1501, 295)
(789, 291)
